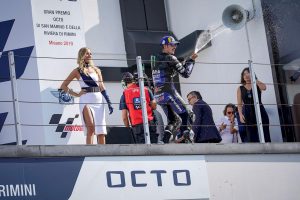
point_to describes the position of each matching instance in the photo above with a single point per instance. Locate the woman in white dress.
(228, 125)
(91, 95)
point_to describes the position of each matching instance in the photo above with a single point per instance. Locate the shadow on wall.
(105, 40)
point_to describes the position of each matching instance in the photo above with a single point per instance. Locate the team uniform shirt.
(130, 100)
(166, 67)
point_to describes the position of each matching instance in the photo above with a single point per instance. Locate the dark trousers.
(252, 129)
(139, 136)
(175, 109)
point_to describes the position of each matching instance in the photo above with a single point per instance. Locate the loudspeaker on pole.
(235, 17)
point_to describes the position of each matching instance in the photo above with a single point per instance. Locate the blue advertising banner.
(38, 178)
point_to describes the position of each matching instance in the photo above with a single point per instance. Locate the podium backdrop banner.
(45, 37)
(59, 34)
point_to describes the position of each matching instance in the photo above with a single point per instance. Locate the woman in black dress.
(246, 103)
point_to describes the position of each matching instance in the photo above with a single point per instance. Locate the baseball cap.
(168, 40)
(127, 77)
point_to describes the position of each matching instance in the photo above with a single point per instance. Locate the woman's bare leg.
(101, 139)
(90, 126)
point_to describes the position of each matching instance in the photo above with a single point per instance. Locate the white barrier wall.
(251, 176)
(180, 177)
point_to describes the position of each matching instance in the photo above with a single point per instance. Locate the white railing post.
(143, 99)
(254, 92)
(14, 92)
(256, 104)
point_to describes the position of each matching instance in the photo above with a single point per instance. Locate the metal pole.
(255, 94)
(256, 104)
(15, 97)
(143, 99)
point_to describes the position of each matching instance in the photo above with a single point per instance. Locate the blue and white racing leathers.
(164, 69)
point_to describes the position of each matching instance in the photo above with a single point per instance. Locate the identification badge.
(137, 103)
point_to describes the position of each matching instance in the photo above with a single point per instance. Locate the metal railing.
(16, 101)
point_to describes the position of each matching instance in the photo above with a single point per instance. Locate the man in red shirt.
(130, 104)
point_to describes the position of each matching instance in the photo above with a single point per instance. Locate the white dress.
(94, 100)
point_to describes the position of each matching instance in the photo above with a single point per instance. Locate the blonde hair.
(81, 63)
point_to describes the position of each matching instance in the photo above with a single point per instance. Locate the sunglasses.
(173, 45)
(229, 112)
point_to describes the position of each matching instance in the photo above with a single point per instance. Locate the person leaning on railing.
(246, 102)
(204, 126)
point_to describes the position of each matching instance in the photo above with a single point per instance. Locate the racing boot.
(187, 134)
(167, 136)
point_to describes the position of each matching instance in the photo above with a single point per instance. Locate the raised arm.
(185, 70)
(261, 85)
